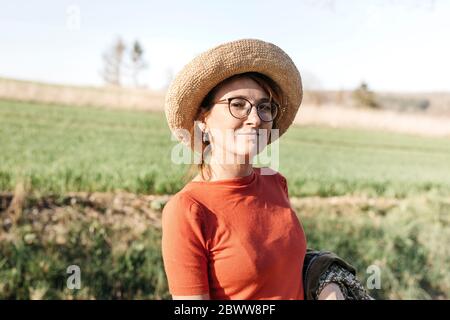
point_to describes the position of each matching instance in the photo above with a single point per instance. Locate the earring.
(205, 136)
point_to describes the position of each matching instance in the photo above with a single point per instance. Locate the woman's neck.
(229, 171)
(220, 170)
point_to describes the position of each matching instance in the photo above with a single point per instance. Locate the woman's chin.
(241, 153)
(248, 152)
(249, 145)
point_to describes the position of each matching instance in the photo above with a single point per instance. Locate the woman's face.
(237, 139)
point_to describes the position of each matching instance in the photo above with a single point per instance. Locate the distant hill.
(419, 113)
(429, 102)
(145, 99)
(123, 98)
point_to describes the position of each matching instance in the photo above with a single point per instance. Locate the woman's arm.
(331, 292)
(327, 276)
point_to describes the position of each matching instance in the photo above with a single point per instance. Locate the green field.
(58, 149)
(403, 227)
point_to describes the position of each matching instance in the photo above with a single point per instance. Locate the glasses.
(241, 108)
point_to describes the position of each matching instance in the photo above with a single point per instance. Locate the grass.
(118, 250)
(56, 149)
(59, 149)
(406, 242)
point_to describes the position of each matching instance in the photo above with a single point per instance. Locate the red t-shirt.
(234, 239)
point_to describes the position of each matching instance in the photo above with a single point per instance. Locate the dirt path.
(149, 207)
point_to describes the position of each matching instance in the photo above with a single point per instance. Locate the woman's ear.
(202, 118)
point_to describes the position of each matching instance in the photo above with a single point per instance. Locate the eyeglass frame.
(228, 101)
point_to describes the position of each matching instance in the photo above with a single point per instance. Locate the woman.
(231, 233)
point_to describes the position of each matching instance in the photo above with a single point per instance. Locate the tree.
(113, 63)
(137, 62)
(362, 96)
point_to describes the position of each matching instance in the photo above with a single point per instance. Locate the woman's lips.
(248, 136)
(248, 133)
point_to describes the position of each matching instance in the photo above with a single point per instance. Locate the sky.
(336, 44)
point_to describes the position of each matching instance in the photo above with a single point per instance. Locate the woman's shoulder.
(275, 176)
(267, 171)
(182, 203)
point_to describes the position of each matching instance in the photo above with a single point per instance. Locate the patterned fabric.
(348, 283)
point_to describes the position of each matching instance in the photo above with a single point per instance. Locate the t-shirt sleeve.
(184, 247)
(283, 183)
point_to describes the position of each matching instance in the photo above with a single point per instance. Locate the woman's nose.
(253, 117)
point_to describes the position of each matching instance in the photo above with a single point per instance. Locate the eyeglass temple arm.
(223, 100)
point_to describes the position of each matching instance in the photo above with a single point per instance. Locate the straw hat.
(204, 72)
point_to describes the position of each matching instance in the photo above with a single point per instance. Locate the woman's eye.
(238, 104)
(265, 107)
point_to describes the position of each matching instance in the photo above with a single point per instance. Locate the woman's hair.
(267, 84)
